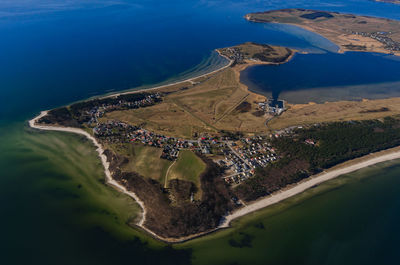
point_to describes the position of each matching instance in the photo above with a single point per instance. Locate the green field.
(188, 167)
(146, 161)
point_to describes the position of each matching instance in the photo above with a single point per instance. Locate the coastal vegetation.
(171, 218)
(307, 151)
(79, 113)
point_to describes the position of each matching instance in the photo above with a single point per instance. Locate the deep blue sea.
(56, 52)
(328, 77)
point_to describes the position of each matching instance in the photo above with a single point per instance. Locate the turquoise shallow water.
(54, 206)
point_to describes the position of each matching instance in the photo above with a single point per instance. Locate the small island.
(199, 153)
(349, 32)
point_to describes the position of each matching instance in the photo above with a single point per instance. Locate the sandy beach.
(100, 151)
(109, 180)
(191, 80)
(347, 167)
(350, 166)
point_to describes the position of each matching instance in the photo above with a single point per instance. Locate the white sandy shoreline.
(249, 208)
(309, 183)
(100, 151)
(103, 158)
(109, 180)
(191, 79)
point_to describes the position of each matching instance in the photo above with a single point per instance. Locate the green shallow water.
(55, 206)
(350, 220)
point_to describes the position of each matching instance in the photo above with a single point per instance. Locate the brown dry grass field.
(211, 106)
(302, 114)
(208, 106)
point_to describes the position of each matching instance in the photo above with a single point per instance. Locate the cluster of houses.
(206, 144)
(98, 111)
(120, 132)
(257, 151)
(114, 131)
(234, 54)
(241, 161)
(382, 37)
(170, 145)
(170, 152)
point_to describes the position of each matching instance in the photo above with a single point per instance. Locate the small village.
(240, 158)
(382, 37)
(98, 111)
(243, 158)
(235, 55)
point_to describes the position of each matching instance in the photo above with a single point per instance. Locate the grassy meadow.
(188, 167)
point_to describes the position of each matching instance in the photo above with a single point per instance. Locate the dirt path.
(166, 174)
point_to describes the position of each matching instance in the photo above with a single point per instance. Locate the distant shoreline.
(395, 2)
(346, 40)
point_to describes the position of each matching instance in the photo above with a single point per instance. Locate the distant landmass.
(350, 32)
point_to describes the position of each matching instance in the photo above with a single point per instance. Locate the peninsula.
(350, 32)
(198, 153)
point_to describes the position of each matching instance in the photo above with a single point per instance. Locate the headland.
(199, 153)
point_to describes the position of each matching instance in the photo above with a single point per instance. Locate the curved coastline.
(110, 181)
(191, 80)
(295, 189)
(99, 149)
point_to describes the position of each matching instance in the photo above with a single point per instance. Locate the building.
(275, 106)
